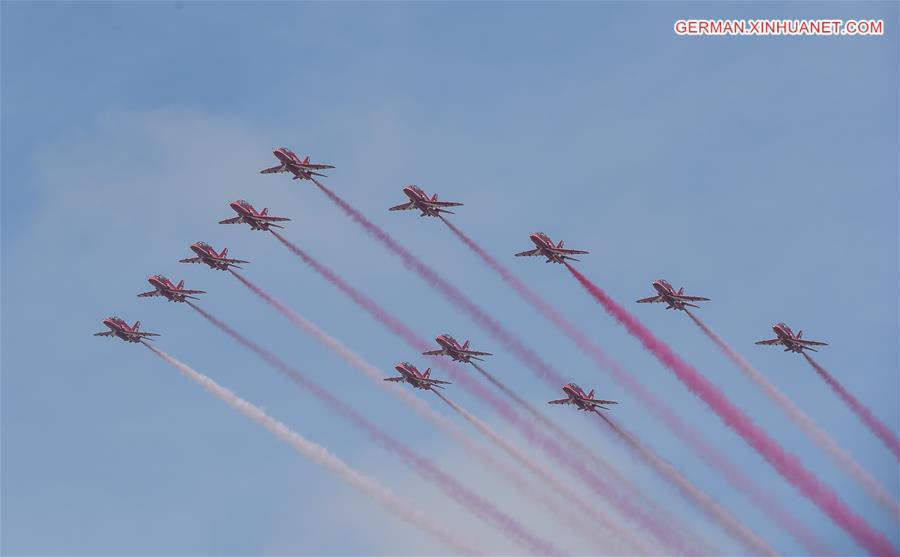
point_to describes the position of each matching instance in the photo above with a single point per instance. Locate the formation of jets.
(419, 200)
(791, 342)
(258, 220)
(449, 346)
(206, 254)
(546, 248)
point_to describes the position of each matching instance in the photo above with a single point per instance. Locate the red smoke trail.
(454, 489)
(888, 437)
(322, 456)
(562, 512)
(843, 459)
(561, 487)
(547, 444)
(788, 465)
(663, 412)
(710, 507)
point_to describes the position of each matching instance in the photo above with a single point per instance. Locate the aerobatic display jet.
(119, 328)
(673, 299)
(290, 162)
(170, 291)
(206, 254)
(545, 247)
(585, 402)
(459, 352)
(792, 343)
(416, 378)
(258, 220)
(419, 200)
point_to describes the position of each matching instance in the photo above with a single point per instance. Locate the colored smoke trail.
(427, 413)
(788, 465)
(709, 506)
(876, 426)
(323, 457)
(658, 407)
(479, 506)
(575, 463)
(841, 457)
(559, 486)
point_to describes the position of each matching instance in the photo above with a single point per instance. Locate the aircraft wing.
(561, 401)
(403, 207)
(274, 169)
(267, 218)
(809, 342)
(395, 379)
(600, 402)
(312, 166)
(104, 334)
(769, 342)
(690, 298)
(572, 251)
(144, 335)
(190, 260)
(444, 203)
(437, 382)
(232, 261)
(475, 353)
(192, 292)
(148, 294)
(529, 253)
(433, 353)
(234, 220)
(650, 300)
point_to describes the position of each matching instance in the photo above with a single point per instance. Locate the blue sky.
(760, 172)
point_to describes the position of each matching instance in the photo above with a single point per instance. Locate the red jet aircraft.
(430, 206)
(585, 402)
(166, 288)
(545, 247)
(667, 294)
(451, 347)
(785, 337)
(119, 328)
(419, 380)
(206, 254)
(256, 219)
(290, 162)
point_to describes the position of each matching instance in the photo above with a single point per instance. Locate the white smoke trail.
(320, 455)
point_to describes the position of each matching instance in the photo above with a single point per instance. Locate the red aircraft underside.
(290, 162)
(792, 343)
(258, 220)
(545, 247)
(410, 374)
(419, 200)
(172, 292)
(120, 329)
(206, 254)
(674, 300)
(451, 347)
(587, 402)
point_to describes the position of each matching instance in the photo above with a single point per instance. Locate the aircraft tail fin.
(306, 160)
(799, 334)
(427, 373)
(137, 325)
(465, 345)
(265, 211)
(560, 244)
(224, 252)
(591, 394)
(434, 197)
(681, 291)
(180, 284)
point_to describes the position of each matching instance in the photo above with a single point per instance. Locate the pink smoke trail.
(547, 444)
(658, 407)
(405, 510)
(888, 437)
(702, 500)
(788, 465)
(558, 485)
(420, 465)
(821, 437)
(562, 512)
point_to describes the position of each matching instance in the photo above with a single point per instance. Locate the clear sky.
(760, 172)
